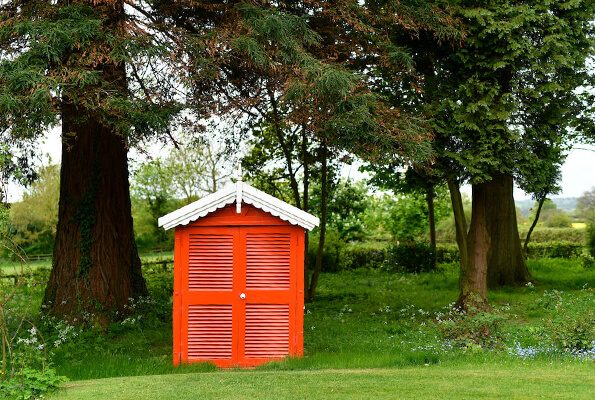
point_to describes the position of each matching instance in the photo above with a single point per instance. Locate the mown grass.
(376, 326)
(497, 381)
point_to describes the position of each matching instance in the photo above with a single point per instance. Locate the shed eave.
(240, 192)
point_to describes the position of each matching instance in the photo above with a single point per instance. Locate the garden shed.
(238, 278)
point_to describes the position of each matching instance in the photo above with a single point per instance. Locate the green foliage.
(472, 330)
(31, 384)
(348, 202)
(572, 327)
(409, 214)
(553, 249)
(33, 220)
(166, 183)
(410, 257)
(507, 101)
(556, 250)
(51, 51)
(545, 234)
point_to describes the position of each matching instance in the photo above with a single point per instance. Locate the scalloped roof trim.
(238, 193)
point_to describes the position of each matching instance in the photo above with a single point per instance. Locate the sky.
(578, 172)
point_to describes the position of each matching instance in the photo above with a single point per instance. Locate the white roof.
(238, 193)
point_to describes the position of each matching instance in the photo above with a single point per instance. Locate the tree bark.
(460, 221)
(431, 220)
(96, 268)
(306, 198)
(506, 262)
(533, 225)
(323, 218)
(473, 279)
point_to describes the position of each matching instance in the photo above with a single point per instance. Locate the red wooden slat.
(268, 261)
(210, 331)
(210, 262)
(267, 330)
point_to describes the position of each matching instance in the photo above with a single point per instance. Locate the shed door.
(239, 297)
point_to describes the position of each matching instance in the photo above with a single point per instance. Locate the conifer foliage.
(112, 73)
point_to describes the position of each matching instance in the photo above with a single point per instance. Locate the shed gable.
(240, 194)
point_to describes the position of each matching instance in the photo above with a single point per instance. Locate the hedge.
(417, 257)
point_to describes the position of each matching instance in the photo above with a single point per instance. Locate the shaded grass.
(486, 382)
(359, 319)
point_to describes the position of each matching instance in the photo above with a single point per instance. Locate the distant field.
(10, 266)
(579, 225)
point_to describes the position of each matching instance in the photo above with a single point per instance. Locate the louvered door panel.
(268, 261)
(210, 331)
(210, 264)
(267, 331)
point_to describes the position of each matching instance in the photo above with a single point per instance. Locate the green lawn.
(533, 381)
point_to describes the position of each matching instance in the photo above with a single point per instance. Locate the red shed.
(238, 278)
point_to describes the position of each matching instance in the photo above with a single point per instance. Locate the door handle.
(242, 296)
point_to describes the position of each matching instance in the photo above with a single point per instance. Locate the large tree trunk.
(473, 279)
(506, 263)
(96, 268)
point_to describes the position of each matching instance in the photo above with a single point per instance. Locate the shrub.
(572, 328)
(31, 384)
(411, 257)
(362, 257)
(543, 234)
(471, 329)
(555, 250)
(450, 252)
(447, 253)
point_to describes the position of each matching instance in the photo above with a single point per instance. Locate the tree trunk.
(306, 198)
(96, 268)
(460, 221)
(533, 225)
(506, 263)
(431, 221)
(323, 217)
(473, 279)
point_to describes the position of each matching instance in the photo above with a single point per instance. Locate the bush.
(32, 384)
(446, 253)
(542, 234)
(572, 328)
(555, 250)
(411, 257)
(472, 329)
(362, 257)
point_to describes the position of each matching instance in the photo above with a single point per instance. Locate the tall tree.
(87, 66)
(503, 106)
(509, 105)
